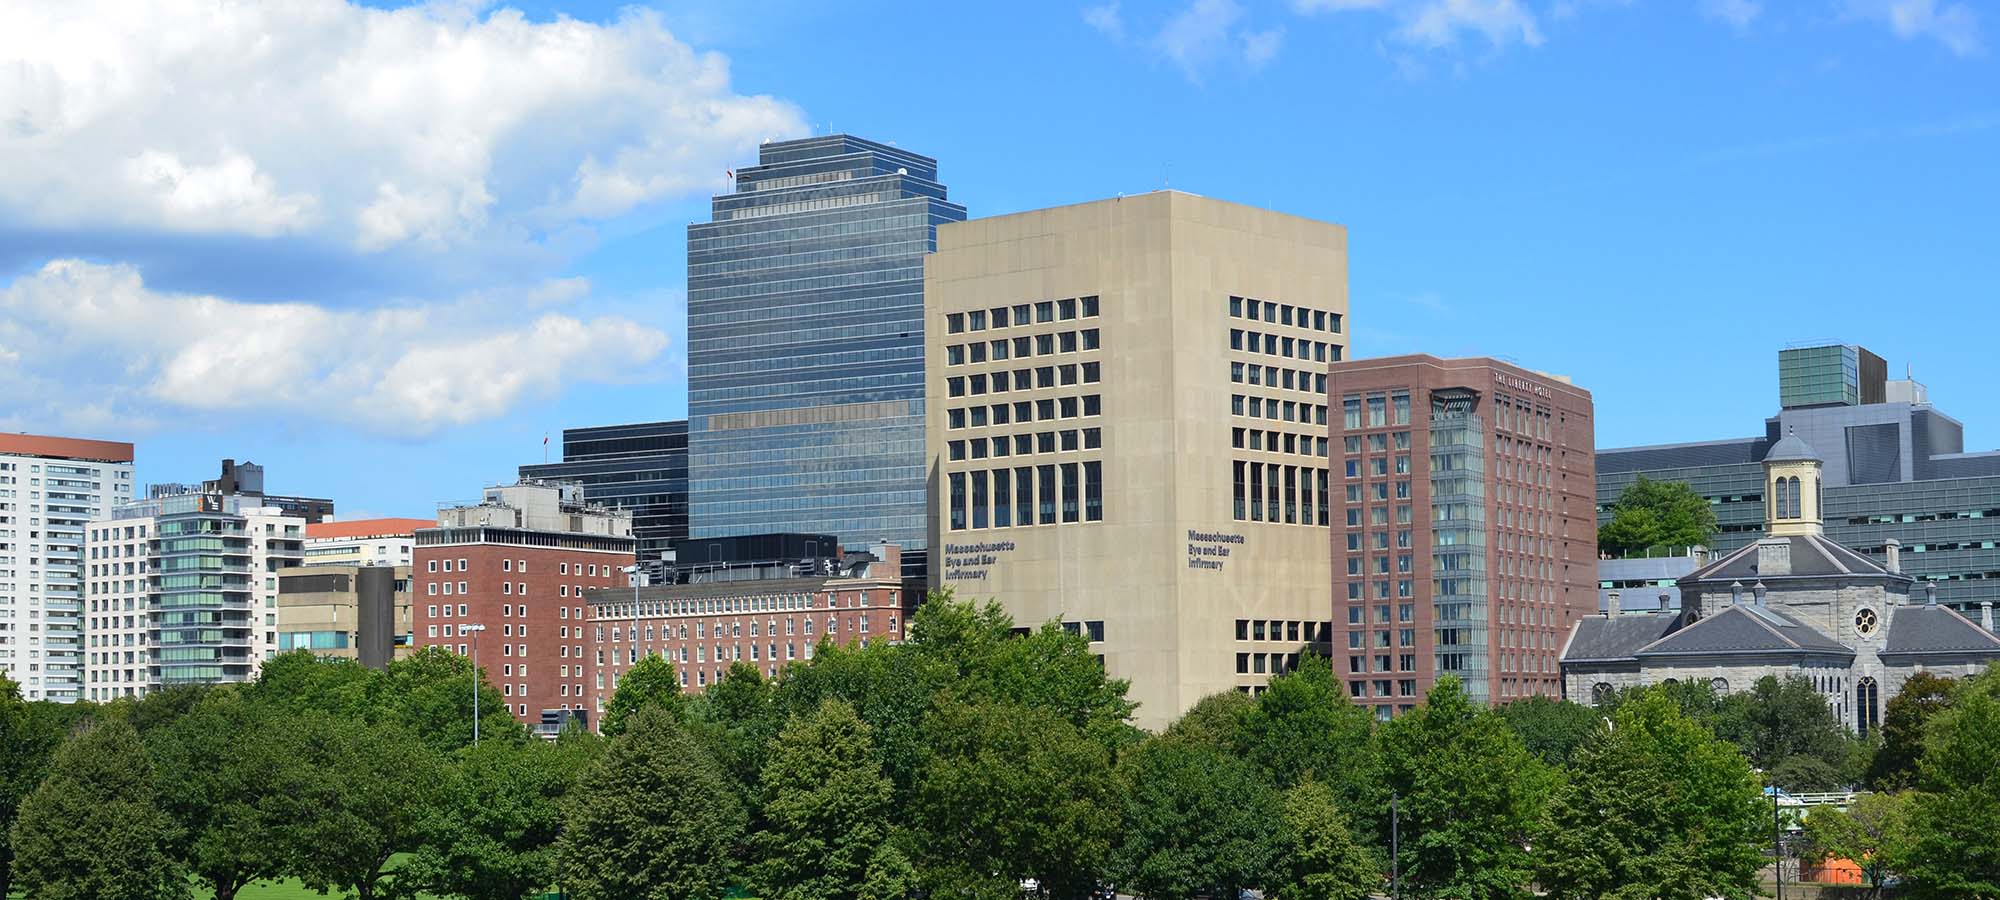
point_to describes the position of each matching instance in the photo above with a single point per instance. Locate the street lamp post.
(1395, 846)
(475, 629)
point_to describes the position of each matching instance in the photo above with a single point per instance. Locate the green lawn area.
(274, 890)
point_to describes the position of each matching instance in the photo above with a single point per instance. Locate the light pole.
(1777, 843)
(475, 629)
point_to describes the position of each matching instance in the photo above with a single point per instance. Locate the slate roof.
(1616, 637)
(1936, 629)
(1745, 628)
(1789, 448)
(1812, 555)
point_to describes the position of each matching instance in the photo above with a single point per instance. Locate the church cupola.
(1791, 488)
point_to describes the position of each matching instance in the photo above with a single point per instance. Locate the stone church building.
(1793, 603)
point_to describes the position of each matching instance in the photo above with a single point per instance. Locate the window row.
(1281, 346)
(1283, 630)
(1266, 663)
(1022, 347)
(1023, 379)
(1406, 687)
(1404, 662)
(1044, 410)
(1269, 492)
(1376, 466)
(1277, 442)
(1027, 444)
(1277, 410)
(1283, 314)
(1290, 379)
(1022, 314)
(1028, 495)
(1379, 515)
(1383, 409)
(1377, 442)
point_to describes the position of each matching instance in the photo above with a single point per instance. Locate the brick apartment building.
(767, 611)
(519, 563)
(1465, 528)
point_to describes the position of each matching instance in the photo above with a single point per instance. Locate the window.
(1089, 306)
(954, 323)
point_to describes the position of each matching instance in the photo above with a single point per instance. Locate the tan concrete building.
(1126, 405)
(351, 611)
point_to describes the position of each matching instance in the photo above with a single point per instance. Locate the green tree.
(653, 819)
(92, 829)
(736, 720)
(827, 811)
(1552, 729)
(221, 771)
(1318, 857)
(494, 835)
(1954, 824)
(1778, 719)
(892, 687)
(1922, 697)
(1215, 722)
(1304, 725)
(1869, 833)
(30, 734)
(1197, 822)
(890, 875)
(429, 694)
(1012, 793)
(1654, 808)
(651, 682)
(1649, 514)
(159, 708)
(366, 794)
(1471, 795)
(303, 682)
(28, 740)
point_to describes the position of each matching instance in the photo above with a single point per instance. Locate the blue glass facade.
(806, 345)
(642, 468)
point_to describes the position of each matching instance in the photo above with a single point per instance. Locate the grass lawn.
(274, 890)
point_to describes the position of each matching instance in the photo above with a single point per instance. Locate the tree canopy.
(1652, 514)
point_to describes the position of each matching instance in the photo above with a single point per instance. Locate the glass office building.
(806, 345)
(641, 468)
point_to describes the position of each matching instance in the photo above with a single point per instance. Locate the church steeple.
(1792, 489)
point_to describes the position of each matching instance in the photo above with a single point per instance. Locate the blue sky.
(384, 251)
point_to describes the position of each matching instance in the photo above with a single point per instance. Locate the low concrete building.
(1792, 603)
(350, 611)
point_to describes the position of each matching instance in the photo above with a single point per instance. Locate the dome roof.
(1790, 448)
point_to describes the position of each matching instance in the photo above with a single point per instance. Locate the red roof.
(368, 528)
(69, 448)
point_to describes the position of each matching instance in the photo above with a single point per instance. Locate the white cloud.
(1198, 33)
(1201, 35)
(1260, 47)
(1439, 23)
(1737, 14)
(434, 127)
(94, 336)
(1107, 20)
(1952, 24)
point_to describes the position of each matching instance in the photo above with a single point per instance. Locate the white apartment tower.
(50, 489)
(183, 589)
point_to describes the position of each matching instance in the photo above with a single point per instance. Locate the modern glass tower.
(806, 345)
(641, 467)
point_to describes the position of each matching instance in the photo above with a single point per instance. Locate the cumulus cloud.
(1951, 24)
(1440, 23)
(83, 342)
(430, 127)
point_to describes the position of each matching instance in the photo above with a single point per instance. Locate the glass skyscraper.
(806, 345)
